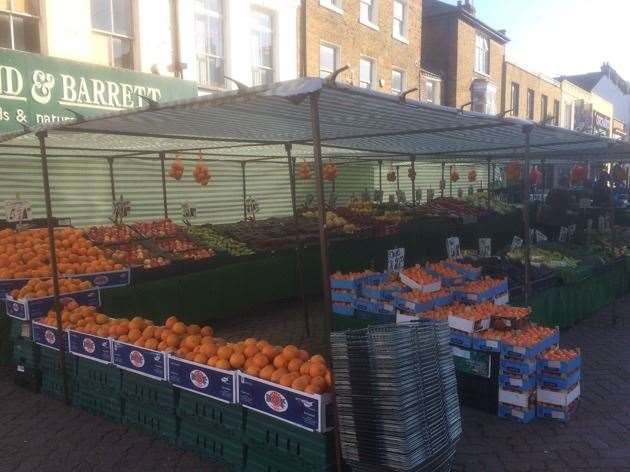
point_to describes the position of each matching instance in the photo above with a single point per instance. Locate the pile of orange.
(418, 275)
(481, 285)
(527, 337)
(25, 254)
(177, 169)
(422, 297)
(475, 312)
(441, 313)
(507, 311)
(201, 173)
(38, 288)
(443, 270)
(305, 171)
(557, 354)
(352, 275)
(492, 334)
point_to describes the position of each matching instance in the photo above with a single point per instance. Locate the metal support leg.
(489, 202)
(53, 263)
(380, 175)
(112, 185)
(443, 181)
(244, 191)
(164, 198)
(527, 130)
(413, 181)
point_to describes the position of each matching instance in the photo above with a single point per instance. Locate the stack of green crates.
(100, 389)
(211, 428)
(10, 333)
(25, 353)
(150, 405)
(52, 381)
(275, 446)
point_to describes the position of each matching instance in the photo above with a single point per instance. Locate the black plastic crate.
(108, 406)
(99, 377)
(25, 353)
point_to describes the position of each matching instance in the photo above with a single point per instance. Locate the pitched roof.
(586, 81)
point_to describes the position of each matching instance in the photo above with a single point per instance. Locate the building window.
(516, 99)
(367, 12)
(209, 42)
(484, 97)
(19, 25)
(328, 59)
(556, 113)
(400, 19)
(544, 101)
(262, 47)
(113, 32)
(567, 121)
(432, 91)
(482, 54)
(332, 4)
(366, 73)
(530, 104)
(398, 81)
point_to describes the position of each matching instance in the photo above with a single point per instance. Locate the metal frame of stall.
(395, 145)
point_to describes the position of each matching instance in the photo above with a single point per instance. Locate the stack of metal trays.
(396, 397)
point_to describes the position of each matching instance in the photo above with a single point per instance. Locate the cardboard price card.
(572, 229)
(540, 237)
(563, 237)
(453, 249)
(17, 211)
(485, 247)
(516, 243)
(188, 213)
(395, 260)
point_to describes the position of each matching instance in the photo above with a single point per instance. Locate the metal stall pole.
(413, 181)
(450, 181)
(162, 156)
(53, 262)
(527, 130)
(490, 185)
(613, 235)
(244, 191)
(112, 185)
(323, 242)
(397, 177)
(442, 182)
(380, 175)
(299, 268)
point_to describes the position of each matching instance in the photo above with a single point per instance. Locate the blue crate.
(486, 345)
(468, 274)
(560, 367)
(559, 382)
(376, 318)
(413, 307)
(557, 413)
(374, 279)
(388, 294)
(342, 309)
(518, 366)
(342, 296)
(461, 339)
(524, 382)
(518, 352)
(446, 281)
(517, 414)
(362, 304)
(343, 284)
(443, 301)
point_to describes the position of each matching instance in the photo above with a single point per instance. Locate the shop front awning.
(257, 123)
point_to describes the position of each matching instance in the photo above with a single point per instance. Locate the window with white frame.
(400, 19)
(368, 12)
(333, 4)
(209, 42)
(366, 73)
(328, 59)
(432, 91)
(262, 47)
(112, 37)
(567, 121)
(19, 25)
(484, 97)
(482, 54)
(398, 81)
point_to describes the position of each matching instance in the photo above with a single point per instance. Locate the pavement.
(38, 433)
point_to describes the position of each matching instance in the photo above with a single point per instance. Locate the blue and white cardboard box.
(558, 397)
(461, 339)
(140, 360)
(523, 398)
(468, 274)
(33, 308)
(468, 326)
(486, 345)
(516, 413)
(48, 336)
(560, 367)
(116, 278)
(520, 352)
(309, 411)
(7, 285)
(558, 381)
(426, 288)
(518, 366)
(346, 296)
(90, 346)
(559, 413)
(412, 306)
(525, 382)
(202, 379)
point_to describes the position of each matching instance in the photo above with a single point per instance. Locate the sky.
(562, 37)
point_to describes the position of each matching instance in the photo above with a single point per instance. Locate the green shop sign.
(37, 90)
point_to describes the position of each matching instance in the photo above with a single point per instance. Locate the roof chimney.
(469, 7)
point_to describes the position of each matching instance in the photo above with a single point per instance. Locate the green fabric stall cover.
(566, 305)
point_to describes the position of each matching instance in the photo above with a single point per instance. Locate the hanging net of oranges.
(305, 171)
(330, 171)
(412, 173)
(201, 173)
(535, 176)
(177, 168)
(513, 172)
(391, 176)
(454, 175)
(472, 175)
(577, 175)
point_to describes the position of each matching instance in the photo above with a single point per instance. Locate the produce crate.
(28, 378)
(559, 381)
(50, 363)
(152, 393)
(209, 413)
(558, 413)
(99, 377)
(518, 366)
(514, 413)
(257, 460)
(25, 353)
(15, 328)
(52, 385)
(287, 442)
(108, 406)
(218, 445)
(158, 422)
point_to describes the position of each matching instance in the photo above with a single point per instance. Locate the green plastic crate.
(15, 328)
(223, 447)
(50, 362)
(52, 386)
(102, 378)
(157, 422)
(283, 440)
(152, 393)
(110, 407)
(26, 353)
(210, 413)
(257, 460)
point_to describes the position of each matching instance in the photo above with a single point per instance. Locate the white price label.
(395, 260)
(17, 211)
(564, 234)
(541, 237)
(601, 224)
(453, 249)
(485, 247)
(517, 243)
(572, 229)
(188, 213)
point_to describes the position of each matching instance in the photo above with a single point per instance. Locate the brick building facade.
(466, 53)
(366, 36)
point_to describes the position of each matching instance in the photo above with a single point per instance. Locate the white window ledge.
(369, 24)
(482, 74)
(400, 38)
(330, 6)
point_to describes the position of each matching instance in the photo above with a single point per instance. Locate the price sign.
(121, 209)
(401, 196)
(188, 213)
(485, 247)
(308, 200)
(564, 234)
(430, 194)
(572, 229)
(452, 248)
(516, 243)
(540, 237)
(251, 208)
(395, 260)
(378, 196)
(16, 211)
